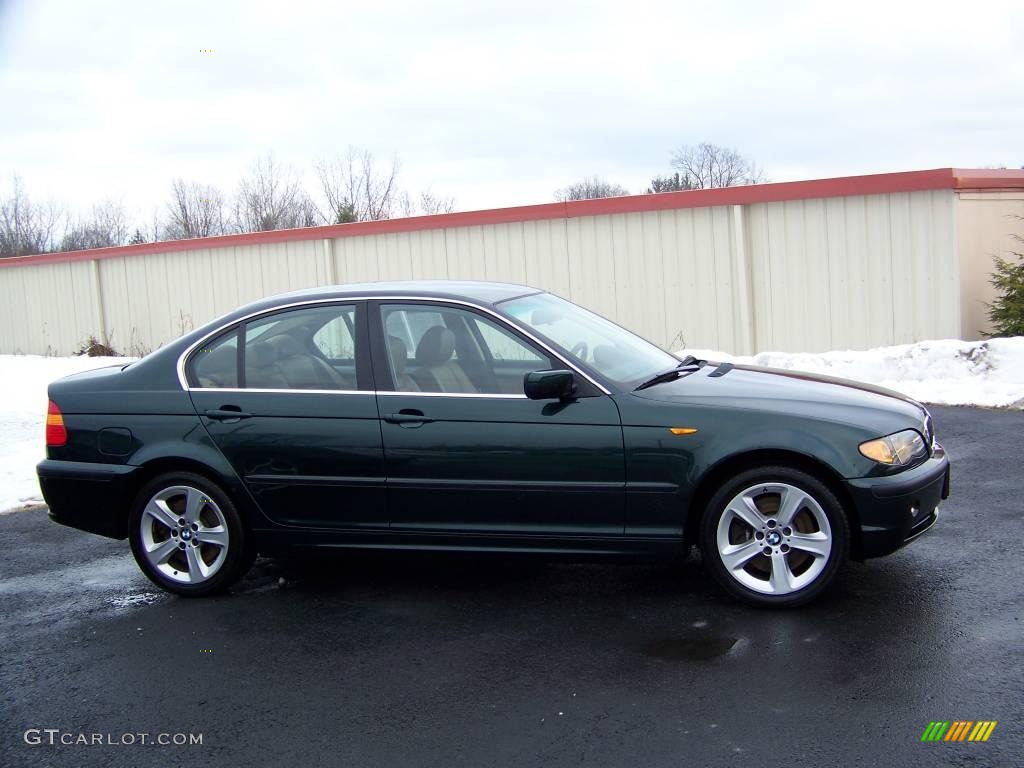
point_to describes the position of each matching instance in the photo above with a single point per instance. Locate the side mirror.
(549, 385)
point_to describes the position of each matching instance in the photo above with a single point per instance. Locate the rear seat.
(218, 368)
(261, 368)
(301, 370)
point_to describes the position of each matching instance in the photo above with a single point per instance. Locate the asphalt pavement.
(448, 661)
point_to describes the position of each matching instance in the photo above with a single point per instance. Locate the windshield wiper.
(688, 365)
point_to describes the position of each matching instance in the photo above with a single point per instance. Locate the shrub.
(93, 347)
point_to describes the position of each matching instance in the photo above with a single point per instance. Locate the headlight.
(895, 450)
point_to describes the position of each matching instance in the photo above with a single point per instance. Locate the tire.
(747, 518)
(206, 555)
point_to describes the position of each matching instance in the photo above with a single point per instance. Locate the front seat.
(437, 371)
(302, 370)
(399, 363)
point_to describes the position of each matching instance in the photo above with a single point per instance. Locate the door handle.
(408, 416)
(227, 413)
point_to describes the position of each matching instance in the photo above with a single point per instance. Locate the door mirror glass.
(549, 385)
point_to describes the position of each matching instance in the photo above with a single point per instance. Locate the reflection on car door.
(294, 413)
(467, 452)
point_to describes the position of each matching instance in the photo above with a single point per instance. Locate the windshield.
(614, 352)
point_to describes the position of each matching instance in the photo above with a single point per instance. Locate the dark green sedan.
(480, 417)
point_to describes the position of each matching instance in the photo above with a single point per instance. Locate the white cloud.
(498, 104)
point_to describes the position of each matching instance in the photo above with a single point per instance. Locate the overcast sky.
(498, 103)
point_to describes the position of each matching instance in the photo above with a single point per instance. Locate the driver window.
(442, 349)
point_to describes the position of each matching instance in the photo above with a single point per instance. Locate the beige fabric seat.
(261, 368)
(436, 371)
(302, 370)
(399, 365)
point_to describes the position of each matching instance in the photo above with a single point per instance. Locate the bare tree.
(704, 166)
(428, 204)
(271, 197)
(355, 189)
(195, 210)
(431, 204)
(106, 227)
(26, 227)
(590, 188)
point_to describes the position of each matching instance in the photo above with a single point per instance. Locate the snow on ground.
(23, 419)
(948, 372)
(988, 373)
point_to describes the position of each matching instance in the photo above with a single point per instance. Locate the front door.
(288, 398)
(466, 452)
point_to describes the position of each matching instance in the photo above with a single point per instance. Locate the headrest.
(435, 347)
(285, 346)
(260, 354)
(399, 354)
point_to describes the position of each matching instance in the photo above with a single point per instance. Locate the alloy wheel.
(774, 538)
(184, 534)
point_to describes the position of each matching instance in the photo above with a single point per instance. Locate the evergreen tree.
(1007, 311)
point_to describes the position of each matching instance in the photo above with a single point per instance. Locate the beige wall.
(854, 272)
(987, 221)
(805, 275)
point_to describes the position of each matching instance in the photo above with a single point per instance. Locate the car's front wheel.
(187, 536)
(775, 536)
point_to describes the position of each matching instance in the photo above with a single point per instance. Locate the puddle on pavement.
(689, 647)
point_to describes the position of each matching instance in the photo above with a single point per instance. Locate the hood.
(805, 394)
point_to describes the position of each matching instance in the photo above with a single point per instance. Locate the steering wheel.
(580, 350)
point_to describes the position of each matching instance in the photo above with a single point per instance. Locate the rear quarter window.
(216, 364)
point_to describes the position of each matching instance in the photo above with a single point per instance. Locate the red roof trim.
(882, 183)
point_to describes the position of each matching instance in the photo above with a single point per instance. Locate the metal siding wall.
(46, 309)
(843, 272)
(854, 272)
(987, 226)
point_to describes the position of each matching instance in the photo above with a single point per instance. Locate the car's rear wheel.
(775, 536)
(187, 536)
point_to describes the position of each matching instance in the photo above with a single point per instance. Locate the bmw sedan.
(480, 417)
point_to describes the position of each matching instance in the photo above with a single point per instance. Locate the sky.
(497, 104)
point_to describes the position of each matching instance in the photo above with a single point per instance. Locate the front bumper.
(896, 509)
(88, 496)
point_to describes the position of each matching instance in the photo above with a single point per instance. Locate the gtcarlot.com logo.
(958, 730)
(55, 736)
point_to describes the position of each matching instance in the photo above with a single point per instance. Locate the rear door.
(466, 452)
(288, 398)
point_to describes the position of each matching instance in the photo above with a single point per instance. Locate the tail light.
(56, 434)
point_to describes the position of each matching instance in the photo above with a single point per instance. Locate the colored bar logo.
(958, 730)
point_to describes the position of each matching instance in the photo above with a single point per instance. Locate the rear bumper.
(87, 496)
(895, 510)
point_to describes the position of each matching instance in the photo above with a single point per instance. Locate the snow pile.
(23, 419)
(948, 372)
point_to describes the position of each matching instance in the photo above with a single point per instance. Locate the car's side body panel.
(311, 459)
(505, 465)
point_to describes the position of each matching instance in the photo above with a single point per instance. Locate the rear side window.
(216, 365)
(309, 348)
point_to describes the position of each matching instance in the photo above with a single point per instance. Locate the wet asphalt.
(445, 661)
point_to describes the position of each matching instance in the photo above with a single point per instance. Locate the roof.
(479, 291)
(881, 183)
